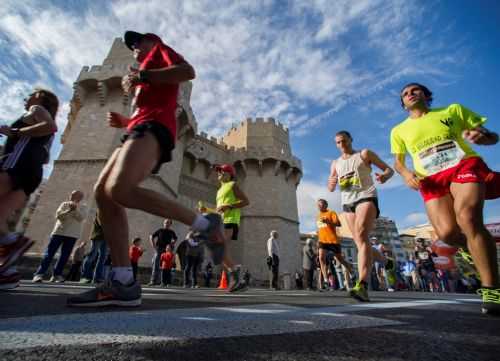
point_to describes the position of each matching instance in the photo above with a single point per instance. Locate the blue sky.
(317, 66)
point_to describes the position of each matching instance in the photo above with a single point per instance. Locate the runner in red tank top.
(147, 144)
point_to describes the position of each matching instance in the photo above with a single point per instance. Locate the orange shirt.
(326, 232)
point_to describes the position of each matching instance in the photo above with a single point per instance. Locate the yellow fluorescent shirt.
(226, 196)
(435, 140)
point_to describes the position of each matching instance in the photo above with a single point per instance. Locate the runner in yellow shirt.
(230, 200)
(453, 180)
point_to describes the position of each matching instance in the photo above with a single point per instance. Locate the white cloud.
(12, 94)
(250, 58)
(414, 219)
(308, 194)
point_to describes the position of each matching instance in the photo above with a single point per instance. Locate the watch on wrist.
(143, 76)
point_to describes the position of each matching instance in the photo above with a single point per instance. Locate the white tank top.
(355, 179)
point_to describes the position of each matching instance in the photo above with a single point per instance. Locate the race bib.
(440, 157)
(349, 181)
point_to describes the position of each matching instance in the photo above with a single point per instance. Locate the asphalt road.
(208, 324)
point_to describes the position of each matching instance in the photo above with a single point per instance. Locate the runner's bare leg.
(468, 205)
(10, 201)
(133, 164)
(360, 224)
(442, 217)
(322, 263)
(227, 260)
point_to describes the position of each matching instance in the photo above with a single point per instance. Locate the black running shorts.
(161, 133)
(235, 228)
(351, 208)
(25, 172)
(335, 248)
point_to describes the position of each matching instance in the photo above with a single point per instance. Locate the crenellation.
(271, 120)
(103, 73)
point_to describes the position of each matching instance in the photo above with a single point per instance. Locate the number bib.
(441, 157)
(350, 181)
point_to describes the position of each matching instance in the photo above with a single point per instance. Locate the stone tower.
(259, 149)
(269, 176)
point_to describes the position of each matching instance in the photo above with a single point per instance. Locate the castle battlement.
(259, 121)
(102, 72)
(234, 154)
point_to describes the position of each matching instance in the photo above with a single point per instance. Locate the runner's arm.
(410, 178)
(117, 120)
(333, 178)
(480, 135)
(242, 198)
(335, 221)
(173, 74)
(373, 158)
(152, 240)
(44, 125)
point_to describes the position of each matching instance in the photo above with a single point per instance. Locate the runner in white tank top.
(352, 170)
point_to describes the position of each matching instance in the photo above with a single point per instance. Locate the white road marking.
(211, 322)
(231, 295)
(147, 326)
(471, 300)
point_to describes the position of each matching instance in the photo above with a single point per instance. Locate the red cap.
(227, 168)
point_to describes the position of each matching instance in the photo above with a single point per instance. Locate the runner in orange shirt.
(328, 241)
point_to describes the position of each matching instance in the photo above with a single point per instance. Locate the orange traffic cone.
(223, 281)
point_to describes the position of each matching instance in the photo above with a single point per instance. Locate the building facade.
(387, 233)
(259, 149)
